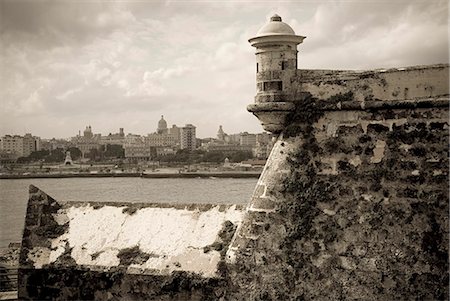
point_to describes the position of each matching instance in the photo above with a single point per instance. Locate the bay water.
(14, 194)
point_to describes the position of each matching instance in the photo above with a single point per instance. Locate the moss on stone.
(132, 255)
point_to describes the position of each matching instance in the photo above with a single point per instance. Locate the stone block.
(259, 190)
(262, 204)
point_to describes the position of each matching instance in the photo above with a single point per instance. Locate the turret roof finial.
(275, 18)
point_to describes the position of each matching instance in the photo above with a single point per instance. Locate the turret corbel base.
(272, 115)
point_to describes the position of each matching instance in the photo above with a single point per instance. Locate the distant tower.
(276, 64)
(220, 134)
(187, 137)
(68, 160)
(162, 126)
(121, 133)
(88, 132)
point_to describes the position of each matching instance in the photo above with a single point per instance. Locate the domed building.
(162, 126)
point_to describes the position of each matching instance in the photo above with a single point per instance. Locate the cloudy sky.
(111, 64)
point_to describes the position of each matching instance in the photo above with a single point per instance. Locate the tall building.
(20, 146)
(187, 136)
(175, 131)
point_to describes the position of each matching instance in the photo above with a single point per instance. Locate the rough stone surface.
(92, 250)
(358, 209)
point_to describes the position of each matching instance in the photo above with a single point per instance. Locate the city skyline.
(79, 132)
(66, 65)
(105, 134)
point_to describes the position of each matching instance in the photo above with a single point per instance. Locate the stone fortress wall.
(352, 203)
(144, 251)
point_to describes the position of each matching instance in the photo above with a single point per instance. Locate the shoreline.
(189, 175)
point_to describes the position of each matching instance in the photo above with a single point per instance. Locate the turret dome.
(275, 27)
(275, 31)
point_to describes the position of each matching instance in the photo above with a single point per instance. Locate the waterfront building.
(19, 146)
(6, 157)
(188, 139)
(164, 151)
(227, 148)
(136, 149)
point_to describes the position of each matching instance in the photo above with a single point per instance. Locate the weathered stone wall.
(373, 85)
(353, 201)
(352, 205)
(123, 250)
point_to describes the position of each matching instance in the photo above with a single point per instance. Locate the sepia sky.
(108, 64)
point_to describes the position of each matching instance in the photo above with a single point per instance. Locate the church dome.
(162, 124)
(275, 27)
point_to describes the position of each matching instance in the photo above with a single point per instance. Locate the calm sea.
(14, 194)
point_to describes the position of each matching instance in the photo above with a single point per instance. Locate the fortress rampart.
(353, 201)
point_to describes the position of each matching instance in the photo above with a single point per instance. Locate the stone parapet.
(87, 250)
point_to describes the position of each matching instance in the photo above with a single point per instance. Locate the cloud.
(123, 64)
(376, 34)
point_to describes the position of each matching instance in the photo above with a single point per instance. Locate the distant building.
(136, 149)
(263, 145)
(161, 139)
(221, 134)
(175, 131)
(52, 144)
(187, 136)
(87, 142)
(247, 139)
(234, 138)
(162, 126)
(164, 141)
(228, 148)
(7, 157)
(19, 146)
(117, 138)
